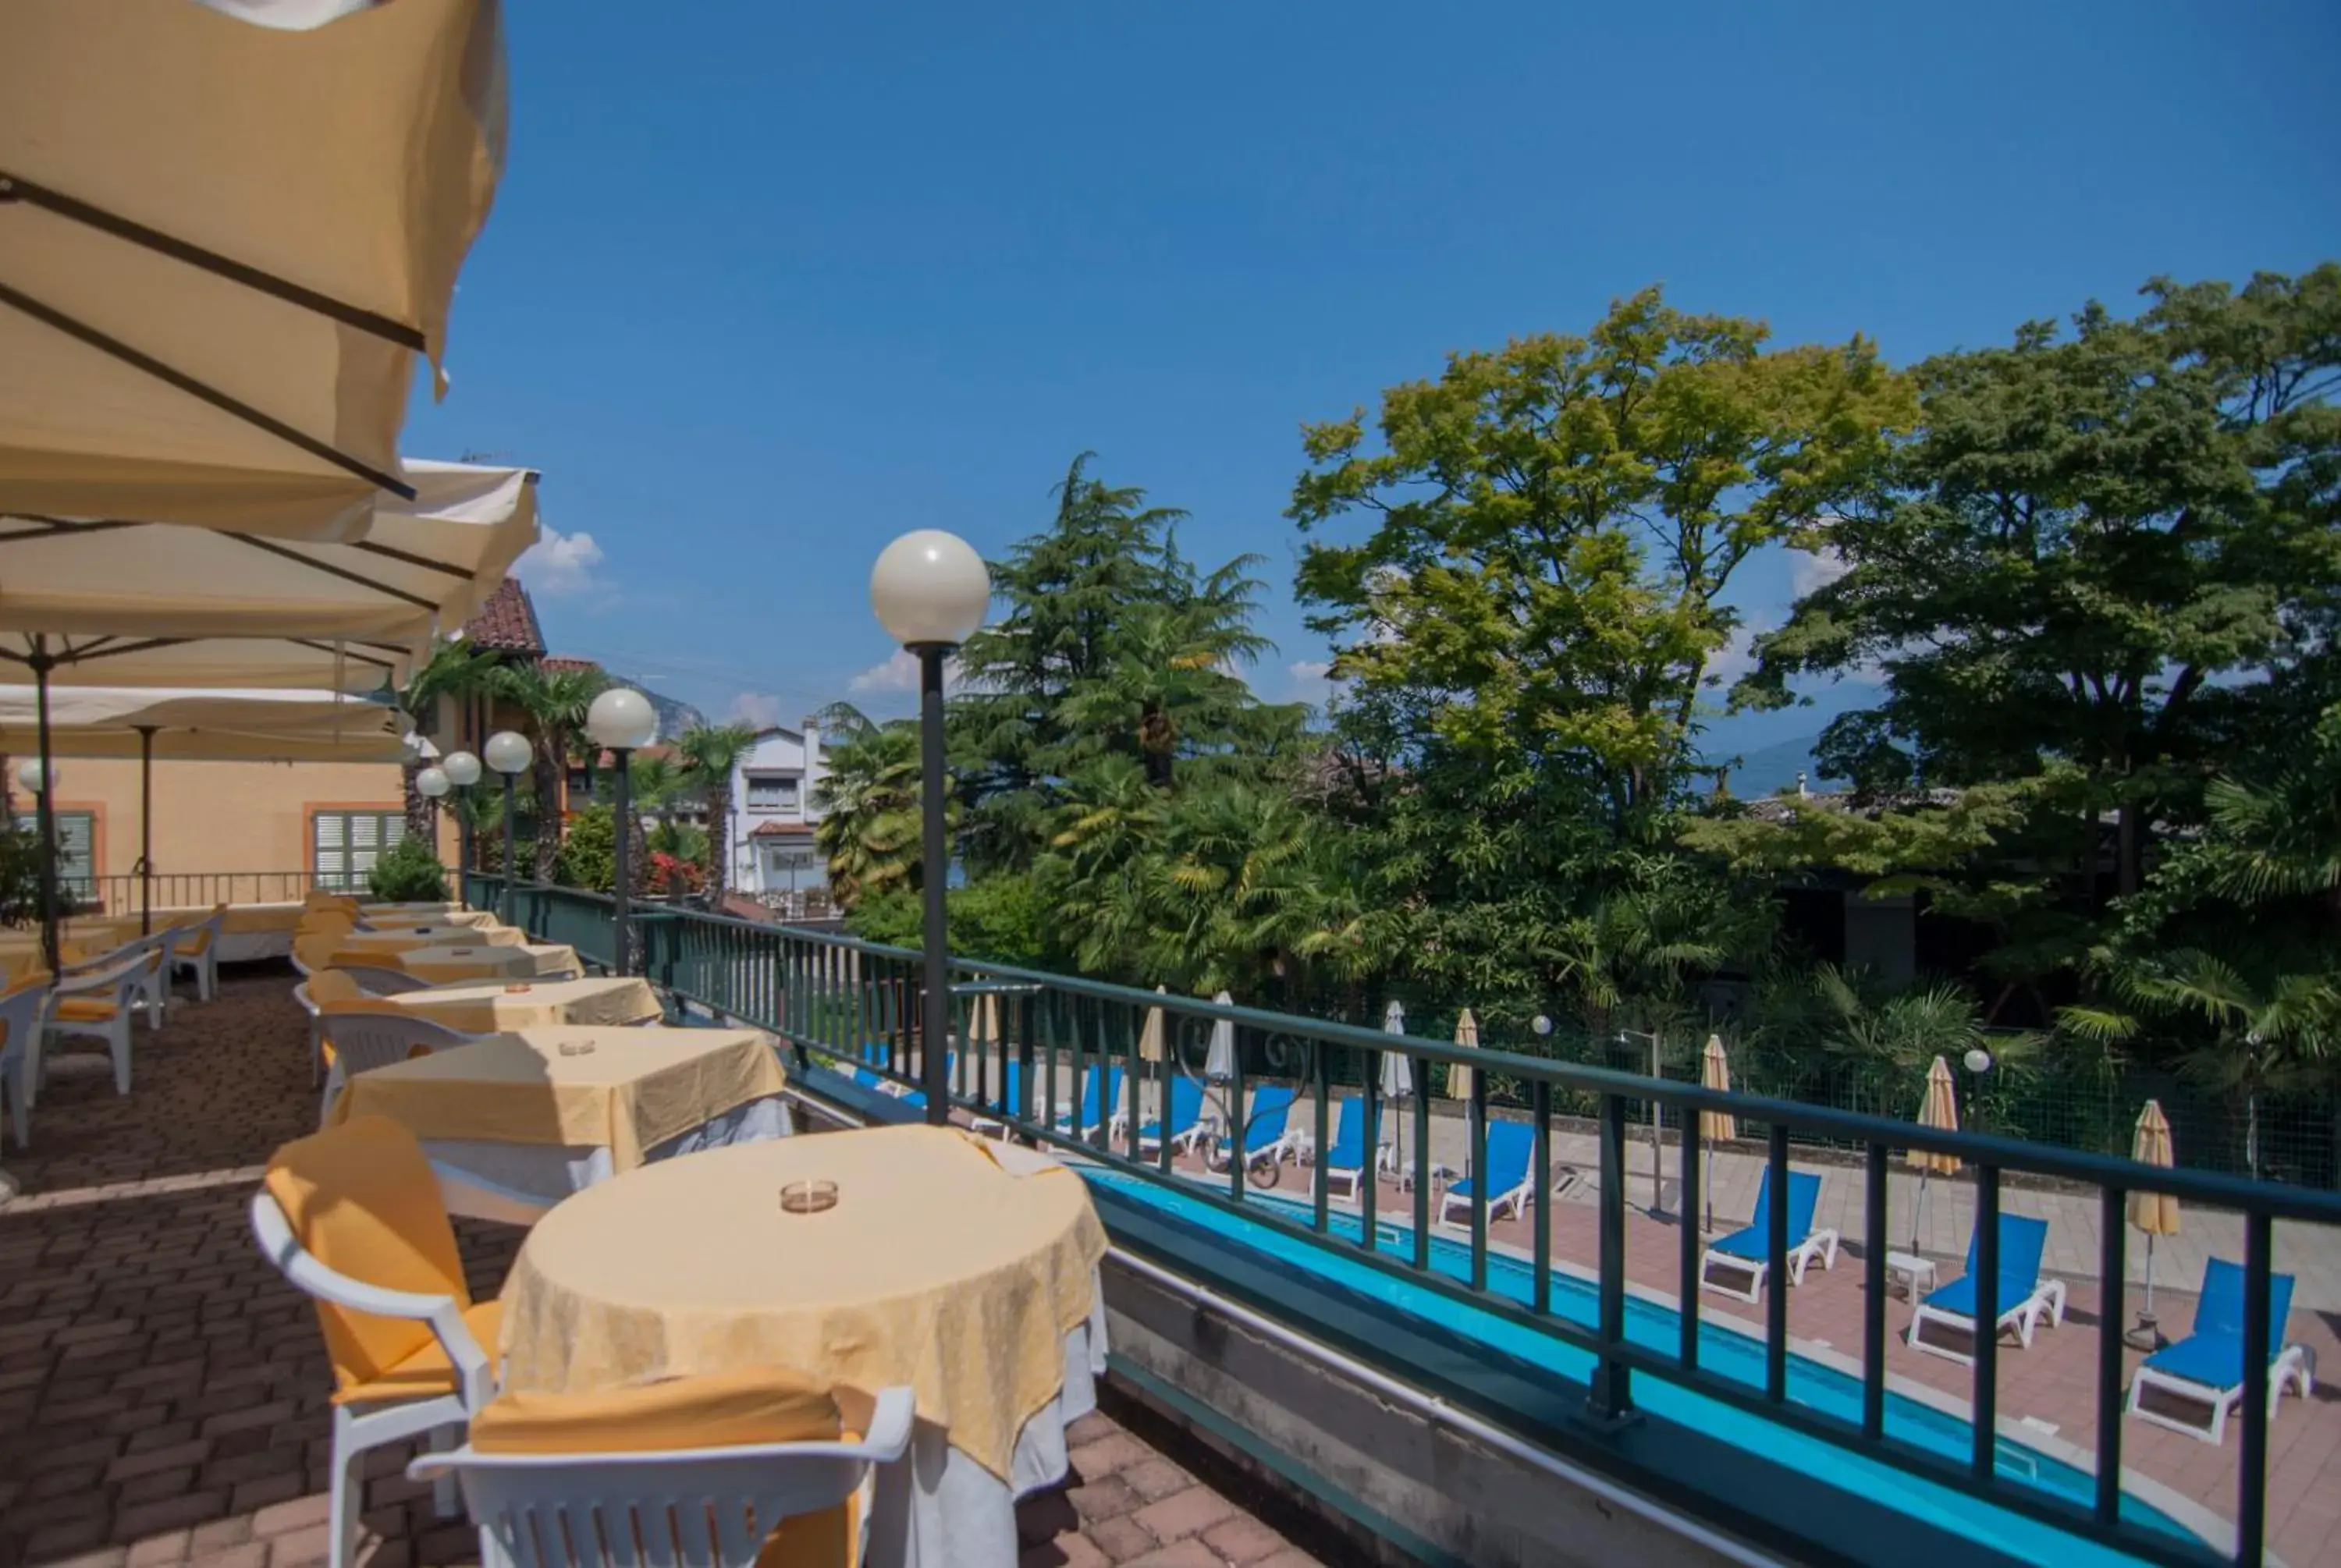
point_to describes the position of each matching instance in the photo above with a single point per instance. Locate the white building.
(773, 859)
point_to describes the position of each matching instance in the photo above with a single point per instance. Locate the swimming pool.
(1722, 1350)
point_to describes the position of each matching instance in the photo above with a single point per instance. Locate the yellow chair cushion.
(719, 1410)
(84, 1009)
(428, 1374)
(362, 1200)
(330, 986)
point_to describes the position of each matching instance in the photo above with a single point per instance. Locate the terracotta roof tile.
(781, 830)
(562, 664)
(507, 622)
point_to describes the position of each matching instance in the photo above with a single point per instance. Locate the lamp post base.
(2146, 1336)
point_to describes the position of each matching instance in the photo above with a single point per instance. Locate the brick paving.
(163, 1391)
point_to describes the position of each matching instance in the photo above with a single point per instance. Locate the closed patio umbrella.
(1149, 1034)
(1715, 1073)
(223, 246)
(1397, 1073)
(1219, 1060)
(2154, 1213)
(1458, 1078)
(1940, 1110)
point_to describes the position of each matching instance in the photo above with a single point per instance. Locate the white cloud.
(1810, 570)
(561, 565)
(760, 708)
(898, 673)
(1736, 658)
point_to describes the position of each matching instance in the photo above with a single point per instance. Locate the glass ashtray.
(516, 987)
(811, 1196)
(576, 1047)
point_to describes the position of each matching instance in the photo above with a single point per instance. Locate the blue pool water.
(1722, 1350)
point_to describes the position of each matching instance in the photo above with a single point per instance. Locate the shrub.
(407, 872)
(670, 876)
(589, 852)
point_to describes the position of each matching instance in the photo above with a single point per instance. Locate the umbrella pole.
(45, 808)
(2149, 1277)
(1919, 1210)
(146, 829)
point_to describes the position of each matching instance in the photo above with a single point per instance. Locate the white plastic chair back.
(364, 1041)
(688, 1508)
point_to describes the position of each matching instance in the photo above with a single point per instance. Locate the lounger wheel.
(1264, 1171)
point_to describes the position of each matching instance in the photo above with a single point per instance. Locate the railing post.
(2251, 1482)
(1985, 1398)
(1776, 1275)
(1873, 1305)
(1610, 1397)
(2112, 1225)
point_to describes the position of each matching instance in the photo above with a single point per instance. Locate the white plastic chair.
(21, 1012)
(364, 1041)
(97, 1003)
(316, 1030)
(621, 1510)
(360, 1427)
(153, 995)
(195, 949)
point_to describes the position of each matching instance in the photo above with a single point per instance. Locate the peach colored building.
(314, 819)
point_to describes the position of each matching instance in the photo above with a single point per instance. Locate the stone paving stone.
(163, 1391)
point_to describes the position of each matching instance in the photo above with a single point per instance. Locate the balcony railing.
(120, 894)
(850, 1002)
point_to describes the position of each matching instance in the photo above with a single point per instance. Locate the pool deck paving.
(2046, 1394)
(164, 1391)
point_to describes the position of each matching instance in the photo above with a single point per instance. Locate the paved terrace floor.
(163, 1391)
(2046, 1394)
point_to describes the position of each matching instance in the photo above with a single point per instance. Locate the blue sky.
(767, 284)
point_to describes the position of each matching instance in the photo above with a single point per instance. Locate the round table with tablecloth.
(481, 1010)
(965, 1269)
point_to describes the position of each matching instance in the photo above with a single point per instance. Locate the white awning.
(356, 665)
(425, 565)
(223, 246)
(275, 726)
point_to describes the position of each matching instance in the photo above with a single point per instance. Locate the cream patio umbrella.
(1149, 1034)
(1397, 1076)
(222, 245)
(1940, 1110)
(195, 726)
(1458, 1078)
(2154, 1213)
(1715, 1073)
(424, 566)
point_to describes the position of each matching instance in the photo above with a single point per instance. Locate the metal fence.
(854, 1003)
(120, 894)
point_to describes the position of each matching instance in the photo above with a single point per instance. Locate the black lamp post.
(621, 721)
(930, 591)
(508, 753)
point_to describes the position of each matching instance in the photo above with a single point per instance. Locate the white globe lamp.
(462, 769)
(30, 774)
(431, 783)
(622, 720)
(929, 590)
(507, 752)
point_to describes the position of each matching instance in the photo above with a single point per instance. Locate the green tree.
(556, 703)
(1553, 525)
(2095, 543)
(456, 670)
(711, 754)
(870, 828)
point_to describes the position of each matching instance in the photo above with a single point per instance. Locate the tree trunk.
(547, 770)
(422, 811)
(719, 842)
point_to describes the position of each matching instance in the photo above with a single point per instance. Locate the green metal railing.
(851, 1004)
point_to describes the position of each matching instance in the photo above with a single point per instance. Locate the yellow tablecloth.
(446, 965)
(241, 920)
(636, 1088)
(405, 938)
(443, 914)
(937, 1268)
(486, 1009)
(85, 937)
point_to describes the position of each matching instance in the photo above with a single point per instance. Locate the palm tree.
(556, 703)
(711, 754)
(870, 828)
(1170, 673)
(455, 669)
(2275, 1026)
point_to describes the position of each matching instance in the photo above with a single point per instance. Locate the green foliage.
(588, 857)
(870, 829)
(1003, 917)
(20, 876)
(1554, 525)
(682, 840)
(710, 753)
(407, 872)
(556, 703)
